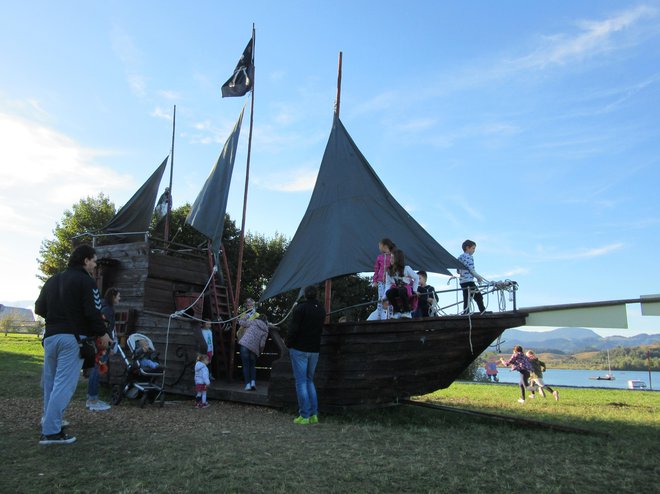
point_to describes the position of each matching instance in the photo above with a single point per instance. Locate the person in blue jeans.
(304, 342)
(110, 299)
(70, 303)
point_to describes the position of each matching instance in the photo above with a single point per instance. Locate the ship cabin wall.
(150, 280)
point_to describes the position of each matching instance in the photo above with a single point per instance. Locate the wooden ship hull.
(361, 364)
(376, 363)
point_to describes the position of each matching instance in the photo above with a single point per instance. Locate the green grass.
(236, 448)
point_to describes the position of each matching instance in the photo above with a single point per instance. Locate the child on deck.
(402, 283)
(201, 380)
(519, 362)
(536, 377)
(467, 275)
(381, 313)
(383, 261)
(427, 296)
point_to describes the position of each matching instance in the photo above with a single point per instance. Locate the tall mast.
(168, 215)
(328, 283)
(241, 245)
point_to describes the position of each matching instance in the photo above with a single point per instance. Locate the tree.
(87, 215)
(474, 371)
(349, 294)
(7, 323)
(180, 231)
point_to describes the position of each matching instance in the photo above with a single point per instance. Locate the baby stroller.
(138, 381)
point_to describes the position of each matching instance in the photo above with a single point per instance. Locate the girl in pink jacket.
(383, 261)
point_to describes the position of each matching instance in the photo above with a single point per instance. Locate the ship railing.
(503, 291)
(96, 236)
(180, 250)
(157, 244)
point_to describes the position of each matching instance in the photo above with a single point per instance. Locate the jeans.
(470, 288)
(304, 366)
(93, 383)
(398, 298)
(524, 382)
(249, 361)
(62, 364)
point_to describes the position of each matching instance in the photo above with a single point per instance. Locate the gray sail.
(135, 215)
(349, 212)
(207, 215)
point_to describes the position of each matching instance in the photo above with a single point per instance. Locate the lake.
(580, 378)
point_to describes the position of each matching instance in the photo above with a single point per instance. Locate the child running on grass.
(519, 362)
(201, 380)
(536, 377)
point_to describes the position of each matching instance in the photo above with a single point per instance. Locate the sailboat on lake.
(609, 376)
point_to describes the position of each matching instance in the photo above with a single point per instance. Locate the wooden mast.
(241, 245)
(166, 232)
(328, 283)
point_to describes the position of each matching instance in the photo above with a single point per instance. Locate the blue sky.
(531, 128)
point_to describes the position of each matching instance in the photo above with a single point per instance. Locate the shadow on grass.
(22, 372)
(637, 422)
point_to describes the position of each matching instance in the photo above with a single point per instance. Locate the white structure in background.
(636, 384)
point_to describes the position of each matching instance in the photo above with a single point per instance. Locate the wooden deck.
(220, 389)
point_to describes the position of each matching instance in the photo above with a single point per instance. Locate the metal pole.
(328, 283)
(168, 215)
(241, 244)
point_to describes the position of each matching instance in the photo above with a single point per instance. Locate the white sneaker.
(406, 315)
(97, 406)
(248, 387)
(396, 315)
(520, 400)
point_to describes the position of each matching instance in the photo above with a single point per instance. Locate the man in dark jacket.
(71, 304)
(304, 342)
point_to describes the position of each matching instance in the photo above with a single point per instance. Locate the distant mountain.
(25, 304)
(570, 340)
(16, 313)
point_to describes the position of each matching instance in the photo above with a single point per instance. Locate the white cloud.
(131, 58)
(44, 172)
(593, 38)
(417, 125)
(485, 132)
(545, 255)
(161, 113)
(302, 180)
(507, 274)
(382, 101)
(169, 95)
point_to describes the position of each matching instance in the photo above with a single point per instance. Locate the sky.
(530, 128)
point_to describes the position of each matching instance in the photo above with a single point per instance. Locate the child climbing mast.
(383, 261)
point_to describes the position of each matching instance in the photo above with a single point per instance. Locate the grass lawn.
(236, 448)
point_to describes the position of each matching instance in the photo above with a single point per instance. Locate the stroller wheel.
(161, 400)
(116, 395)
(143, 400)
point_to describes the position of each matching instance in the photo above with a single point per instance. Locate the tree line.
(262, 255)
(621, 358)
